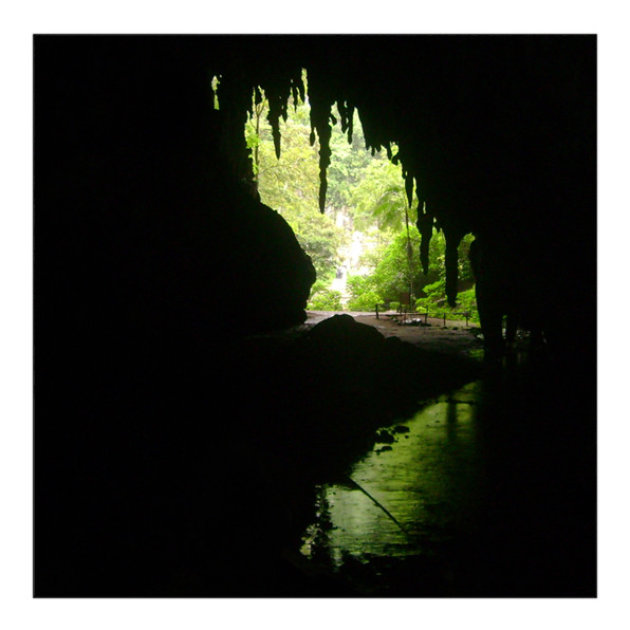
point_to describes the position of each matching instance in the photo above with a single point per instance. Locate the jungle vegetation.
(367, 234)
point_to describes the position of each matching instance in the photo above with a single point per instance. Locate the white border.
(18, 610)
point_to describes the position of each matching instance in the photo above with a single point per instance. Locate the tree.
(364, 294)
(391, 275)
(323, 298)
(381, 198)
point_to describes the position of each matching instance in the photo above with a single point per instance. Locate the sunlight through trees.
(365, 246)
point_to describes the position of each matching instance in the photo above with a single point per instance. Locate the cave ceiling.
(495, 134)
(487, 129)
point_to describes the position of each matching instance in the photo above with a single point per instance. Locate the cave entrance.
(363, 244)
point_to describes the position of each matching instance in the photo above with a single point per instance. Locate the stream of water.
(402, 498)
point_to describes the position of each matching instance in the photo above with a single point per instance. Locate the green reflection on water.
(430, 482)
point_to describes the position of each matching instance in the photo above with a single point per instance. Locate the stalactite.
(350, 123)
(453, 235)
(368, 133)
(321, 115)
(375, 137)
(452, 239)
(346, 112)
(448, 133)
(323, 133)
(278, 92)
(277, 109)
(377, 133)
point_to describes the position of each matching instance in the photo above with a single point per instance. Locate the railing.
(404, 314)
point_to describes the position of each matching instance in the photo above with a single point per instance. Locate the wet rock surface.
(473, 504)
(480, 505)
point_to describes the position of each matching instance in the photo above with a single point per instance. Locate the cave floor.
(488, 490)
(335, 472)
(455, 338)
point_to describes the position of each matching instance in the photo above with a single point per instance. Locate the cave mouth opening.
(362, 244)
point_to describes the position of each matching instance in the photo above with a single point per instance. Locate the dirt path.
(456, 338)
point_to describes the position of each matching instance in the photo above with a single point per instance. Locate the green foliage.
(467, 302)
(465, 270)
(365, 193)
(435, 302)
(434, 296)
(252, 139)
(380, 198)
(350, 166)
(320, 238)
(365, 302)
(324, 299)
(364, 296)
(391, 273)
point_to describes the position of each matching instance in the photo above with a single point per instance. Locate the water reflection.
(403, 501)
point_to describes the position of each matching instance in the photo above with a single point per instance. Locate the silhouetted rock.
(384, 437)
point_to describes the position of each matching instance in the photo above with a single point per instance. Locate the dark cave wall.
(135, 207)
(150, 258)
